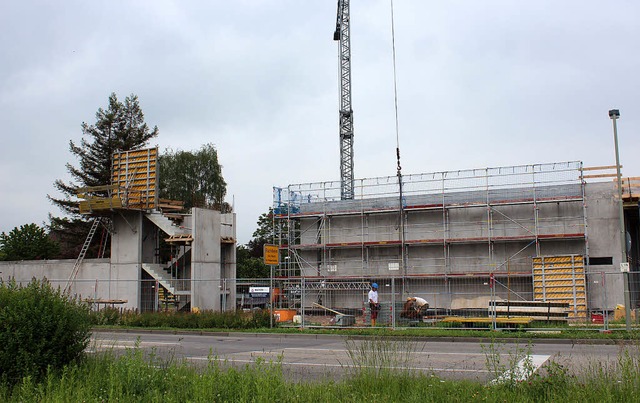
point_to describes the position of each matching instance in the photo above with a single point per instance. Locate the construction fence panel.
(594, 300)
(453, 301)
(607, 300)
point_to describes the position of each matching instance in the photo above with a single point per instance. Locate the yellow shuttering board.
(92, 204)
(135, 174)
(561, 279)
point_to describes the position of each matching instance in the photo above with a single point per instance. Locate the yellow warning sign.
(271, 255)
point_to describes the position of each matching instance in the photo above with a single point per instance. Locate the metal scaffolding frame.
(333, 238)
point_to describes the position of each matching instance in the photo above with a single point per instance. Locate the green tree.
(249, 257)
(248, 266)
(194, 178)
(119, 127)
(29, 242)
(264, 234)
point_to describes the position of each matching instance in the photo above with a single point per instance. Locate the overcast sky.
(480, 84)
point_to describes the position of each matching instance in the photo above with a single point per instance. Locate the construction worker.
(374, 305)
(420, 303)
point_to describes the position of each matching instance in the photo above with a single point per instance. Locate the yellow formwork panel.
(561, 291)
(92, 204)
(549, 276)
(559, 259)
(558, 289)
(561, 279)
(135, 173)
(560, 268)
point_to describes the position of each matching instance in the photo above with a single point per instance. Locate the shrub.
(205, 319)
(41, 329)
(107, 316)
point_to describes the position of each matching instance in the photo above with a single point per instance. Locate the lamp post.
(614, 114)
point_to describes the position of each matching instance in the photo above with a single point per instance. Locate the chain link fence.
(462, 301)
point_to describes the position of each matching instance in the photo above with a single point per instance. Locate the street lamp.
(614, 114)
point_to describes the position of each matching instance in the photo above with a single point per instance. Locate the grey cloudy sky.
(480, 84)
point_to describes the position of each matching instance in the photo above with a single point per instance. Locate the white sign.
(258, 290)
(624, 267)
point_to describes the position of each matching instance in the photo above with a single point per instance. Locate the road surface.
(314, 357)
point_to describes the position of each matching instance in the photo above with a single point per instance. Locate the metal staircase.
(177, 290)
(83, 252)
(166, 225)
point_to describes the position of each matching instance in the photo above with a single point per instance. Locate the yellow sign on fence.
(271, 255)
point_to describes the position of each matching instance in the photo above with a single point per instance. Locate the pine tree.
(119, 127)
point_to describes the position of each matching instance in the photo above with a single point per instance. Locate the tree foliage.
(119, 127)
(193, 177)
(249, 258)
(264, 234)
(29, 242)
(248, 266)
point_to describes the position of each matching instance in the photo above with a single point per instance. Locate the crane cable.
(403, 255)
(395, 88)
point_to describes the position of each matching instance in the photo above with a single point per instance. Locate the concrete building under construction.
(537, 230)
(161, 255)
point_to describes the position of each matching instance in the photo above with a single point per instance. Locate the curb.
(444, 339)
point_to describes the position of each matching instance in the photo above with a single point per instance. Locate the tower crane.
(342, 34)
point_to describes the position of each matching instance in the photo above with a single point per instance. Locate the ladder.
(83, 252)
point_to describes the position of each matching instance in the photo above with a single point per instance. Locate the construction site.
(553, 242)
(523, 243)
(527, 236)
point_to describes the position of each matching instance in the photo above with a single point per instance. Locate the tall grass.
(379, 356)
(136, 377)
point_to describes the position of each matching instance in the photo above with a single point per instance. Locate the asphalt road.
(313, 357)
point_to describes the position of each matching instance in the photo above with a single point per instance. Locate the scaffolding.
(479, 222)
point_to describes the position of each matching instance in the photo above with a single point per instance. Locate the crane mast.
(342, 34)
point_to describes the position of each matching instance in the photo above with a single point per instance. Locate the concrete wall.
(134, 242)
(97, 279)
(127, 255)
(603, 226)
(212, 265)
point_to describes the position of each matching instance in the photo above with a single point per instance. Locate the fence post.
(157, 296)
(393, 303)
(605, 311)
(303, 291)
(492, 299)
(224, 294)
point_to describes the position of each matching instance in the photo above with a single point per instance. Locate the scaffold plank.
(180, 238)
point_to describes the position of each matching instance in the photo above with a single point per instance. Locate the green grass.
(567, 333)
(376, 373)
(259, 321)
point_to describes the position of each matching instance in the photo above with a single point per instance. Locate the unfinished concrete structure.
(199, 269)
(451, 231)
(161, 256)
(199, 273)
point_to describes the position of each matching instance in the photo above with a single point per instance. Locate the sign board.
(271, 255)
(258, 292)
(624, 267)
